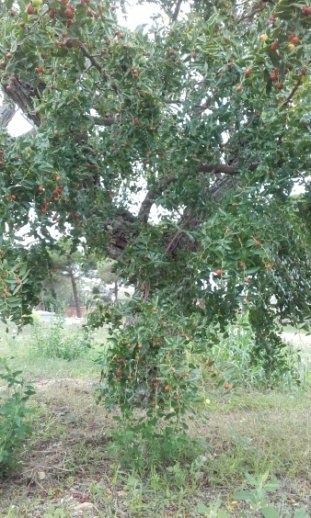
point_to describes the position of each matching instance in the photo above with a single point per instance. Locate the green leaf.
(270, 512)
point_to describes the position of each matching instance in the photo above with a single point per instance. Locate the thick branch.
(7, 112)
(176, 12)
(22, 95)
(231, 169)
(151, 196)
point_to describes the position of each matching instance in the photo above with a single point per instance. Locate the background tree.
(204, 119)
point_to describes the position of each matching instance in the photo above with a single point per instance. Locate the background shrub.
(56, 341)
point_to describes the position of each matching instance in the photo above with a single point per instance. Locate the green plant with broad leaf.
(257, 496)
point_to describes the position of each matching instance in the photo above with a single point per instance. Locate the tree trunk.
(116, 290)
(74, 291)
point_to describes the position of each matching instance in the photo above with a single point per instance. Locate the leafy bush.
(56, 342)
(14, 425)
(234, 360)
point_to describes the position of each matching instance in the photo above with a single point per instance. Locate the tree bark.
(7, 112)
(74, 291)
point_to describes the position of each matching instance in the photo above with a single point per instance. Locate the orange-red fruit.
(39, 70)
(306, 10)
(274, 45)
(279, 86)
(248, 72)
(30, 9)
(52, 13)
(293, 38)
(239, 88)
(69, 12)
(219, 272)
(275, 74)
(64, 2)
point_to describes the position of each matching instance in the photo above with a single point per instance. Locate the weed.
(232, 359)
(52, 342)
(257, 497)
(140, 446)
(14, 426)
(212, 511)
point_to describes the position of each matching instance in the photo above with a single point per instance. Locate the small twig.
(257, 8)
(86, 53)
(294, 90)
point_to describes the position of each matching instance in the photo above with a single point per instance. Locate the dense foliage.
(174, 150)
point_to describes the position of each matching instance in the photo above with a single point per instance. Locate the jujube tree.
(174, 151)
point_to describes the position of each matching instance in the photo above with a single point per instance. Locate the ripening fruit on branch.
(263, 37)
(36, 3)
(306, 10)
(294, 39)
(30, 9)
(275, 74)
(279, 86)
(274, 45)
(219, 272)
(69, 12)
(239, 89)
(248, 72)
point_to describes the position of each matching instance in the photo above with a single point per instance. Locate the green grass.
(70, 464)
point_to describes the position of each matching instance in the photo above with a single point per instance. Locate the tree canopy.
(172, 149)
